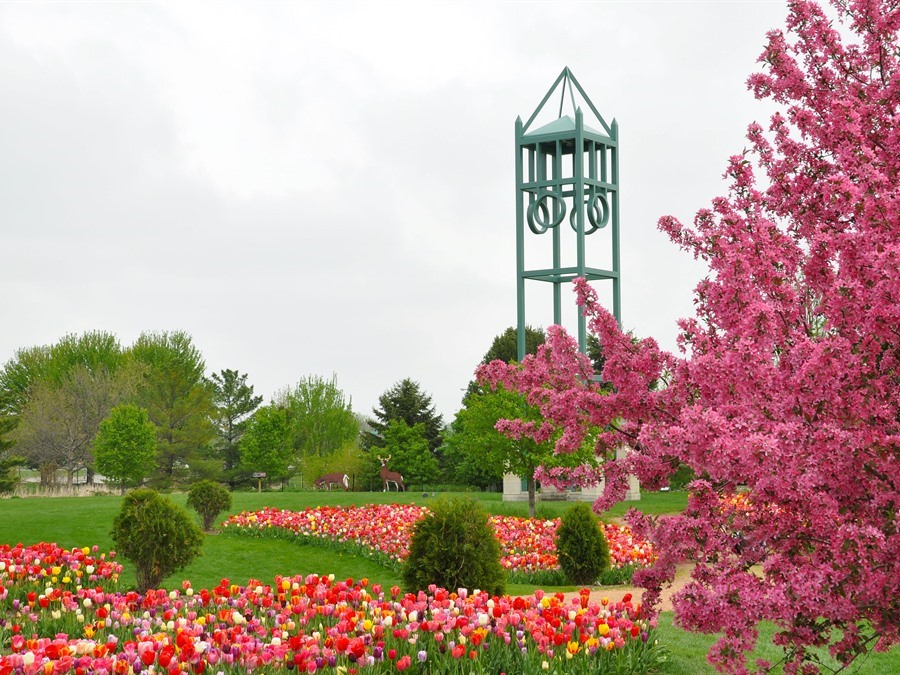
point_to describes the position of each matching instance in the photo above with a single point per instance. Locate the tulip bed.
(383, 532)
(62, 613)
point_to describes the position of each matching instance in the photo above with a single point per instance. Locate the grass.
(87, 521)
(687, 652)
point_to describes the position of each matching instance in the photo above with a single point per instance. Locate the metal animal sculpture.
(388, 476)
(329, 479)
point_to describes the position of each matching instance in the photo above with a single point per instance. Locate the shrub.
(157, 536)
(453, 547)
(580, 546)
(209, 499)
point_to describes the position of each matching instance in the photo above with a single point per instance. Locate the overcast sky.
(317, 188)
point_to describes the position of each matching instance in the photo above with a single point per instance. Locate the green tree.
(322, 419)
(581, 547)
(155, 534)
(410, 455)
(57, 426)
(8, 462)
(18, 375)
(505, 347)
(407, 402)
(461, 456)
(125, 446)
(235, 402)
(476, 441)
(179, 402)
(453, 547)
(209, 499)
(266, 444)
(94, 351)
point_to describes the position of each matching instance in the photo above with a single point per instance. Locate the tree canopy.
(788, 384)
(321, 416)
(178, 400)
(93, 351)
(410, 455)
(57, 426)
(266, 444)
(125, 446)
(405, 401)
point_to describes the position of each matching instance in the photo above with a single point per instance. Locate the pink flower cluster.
(526, 544)
(312, 624)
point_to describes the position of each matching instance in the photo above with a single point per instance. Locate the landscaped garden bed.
(62, 612)
(382, 532)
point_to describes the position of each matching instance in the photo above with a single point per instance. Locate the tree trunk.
(531, 496)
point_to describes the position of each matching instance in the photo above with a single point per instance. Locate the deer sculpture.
(329, 479)
(388, 476)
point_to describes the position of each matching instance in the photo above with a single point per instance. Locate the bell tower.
(567, 178)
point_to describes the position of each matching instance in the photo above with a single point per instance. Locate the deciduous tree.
(481, 448)
(410, 455)
(94, 351)
(266, 445)
(505, 347)
(179, 401)
(321, 416)
(57, 426)
(789, 381)
(125, 446)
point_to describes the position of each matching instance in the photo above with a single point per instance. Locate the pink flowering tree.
(787, 387)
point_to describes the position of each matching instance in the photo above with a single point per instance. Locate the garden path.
(615, 593)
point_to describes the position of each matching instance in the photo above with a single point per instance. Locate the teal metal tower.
(567, 173)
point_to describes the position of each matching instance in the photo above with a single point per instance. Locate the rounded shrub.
(209, 499)
(454, 546)
(581, 547)
(156, 535)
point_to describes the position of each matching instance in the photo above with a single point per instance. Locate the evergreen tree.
(8, 461)
(235, 402)
(406, 402)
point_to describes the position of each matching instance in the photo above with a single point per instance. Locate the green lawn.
(87, 521)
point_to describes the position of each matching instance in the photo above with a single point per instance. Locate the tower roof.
(566, 80)
(561, 125)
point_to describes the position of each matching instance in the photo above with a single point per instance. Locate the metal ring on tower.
(597, 213)
(539, 213)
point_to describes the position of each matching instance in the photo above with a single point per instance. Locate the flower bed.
(383, 532)
(308, 624)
